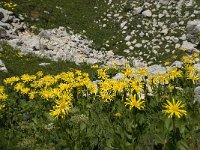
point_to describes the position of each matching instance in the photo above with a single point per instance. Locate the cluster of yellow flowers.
(135, 82)
(57, 89)
(131, 87)
(3, 97)
(9, 5)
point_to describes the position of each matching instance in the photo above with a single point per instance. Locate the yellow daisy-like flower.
(193, 76)
(11, 80)
(133, 102)
(174, 73)
(128, 72)
(174, 108)
(167, 63)
(188, 60)
(137, 85)
(61, 109)
(27, 78)
(142, 72)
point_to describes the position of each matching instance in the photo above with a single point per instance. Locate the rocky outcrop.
(10, 25)
(193, 29)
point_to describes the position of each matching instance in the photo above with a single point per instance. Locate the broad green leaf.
(159, 139)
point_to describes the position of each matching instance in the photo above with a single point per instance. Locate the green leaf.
(182, 145)
(159, 139)
(82, 126)
(169, 124)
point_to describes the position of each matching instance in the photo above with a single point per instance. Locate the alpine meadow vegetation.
(140, 110)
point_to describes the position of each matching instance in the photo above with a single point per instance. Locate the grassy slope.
(79, 15)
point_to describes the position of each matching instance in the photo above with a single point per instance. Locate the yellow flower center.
(174, 108)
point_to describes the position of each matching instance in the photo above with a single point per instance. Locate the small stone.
(147, 13)
(44, 64)
(128, 38)
(187, 45)
(137, 10)
(138, 45)
(126, 51)
(161, 15)
(165, 31)
(3, 67)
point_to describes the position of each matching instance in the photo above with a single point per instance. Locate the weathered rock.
(193, 29)
(147, 13)
(156, 69)
(118, 76)
(44, 64)
(1, 16)
(164, 2)
(3, 67)
(5, 25)
(137, 10)
(3, 33)
(165, 31)
(197, 94)
(188, 46)
(197, 67)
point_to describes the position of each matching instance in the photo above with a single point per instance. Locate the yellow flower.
(181, 49)
(174, 109)
(102, 74)
(128, 72)
(118, 115)
(170, 87)
(18, 86)
(95, 66)
(11, 80)
(61, 109)
(2, 106)
(24, 90)
(1, 89)
(166, 63)
(193, 76)
(32, 95)
(119, 86)
(27, 78)
(133, 102)
(137, 85)
(188, 60)
(174, 56)
(3, 96)
(39, 74)
(47, 94)
(142, 72)
(195, 55)
(174, 73)
(190, 69)
(162, 78)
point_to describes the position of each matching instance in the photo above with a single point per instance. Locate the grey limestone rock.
(197, 94)
(147, 13)
(3, 67)
(193, 29)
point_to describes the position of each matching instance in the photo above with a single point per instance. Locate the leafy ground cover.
(69, 111)
(59, 107)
